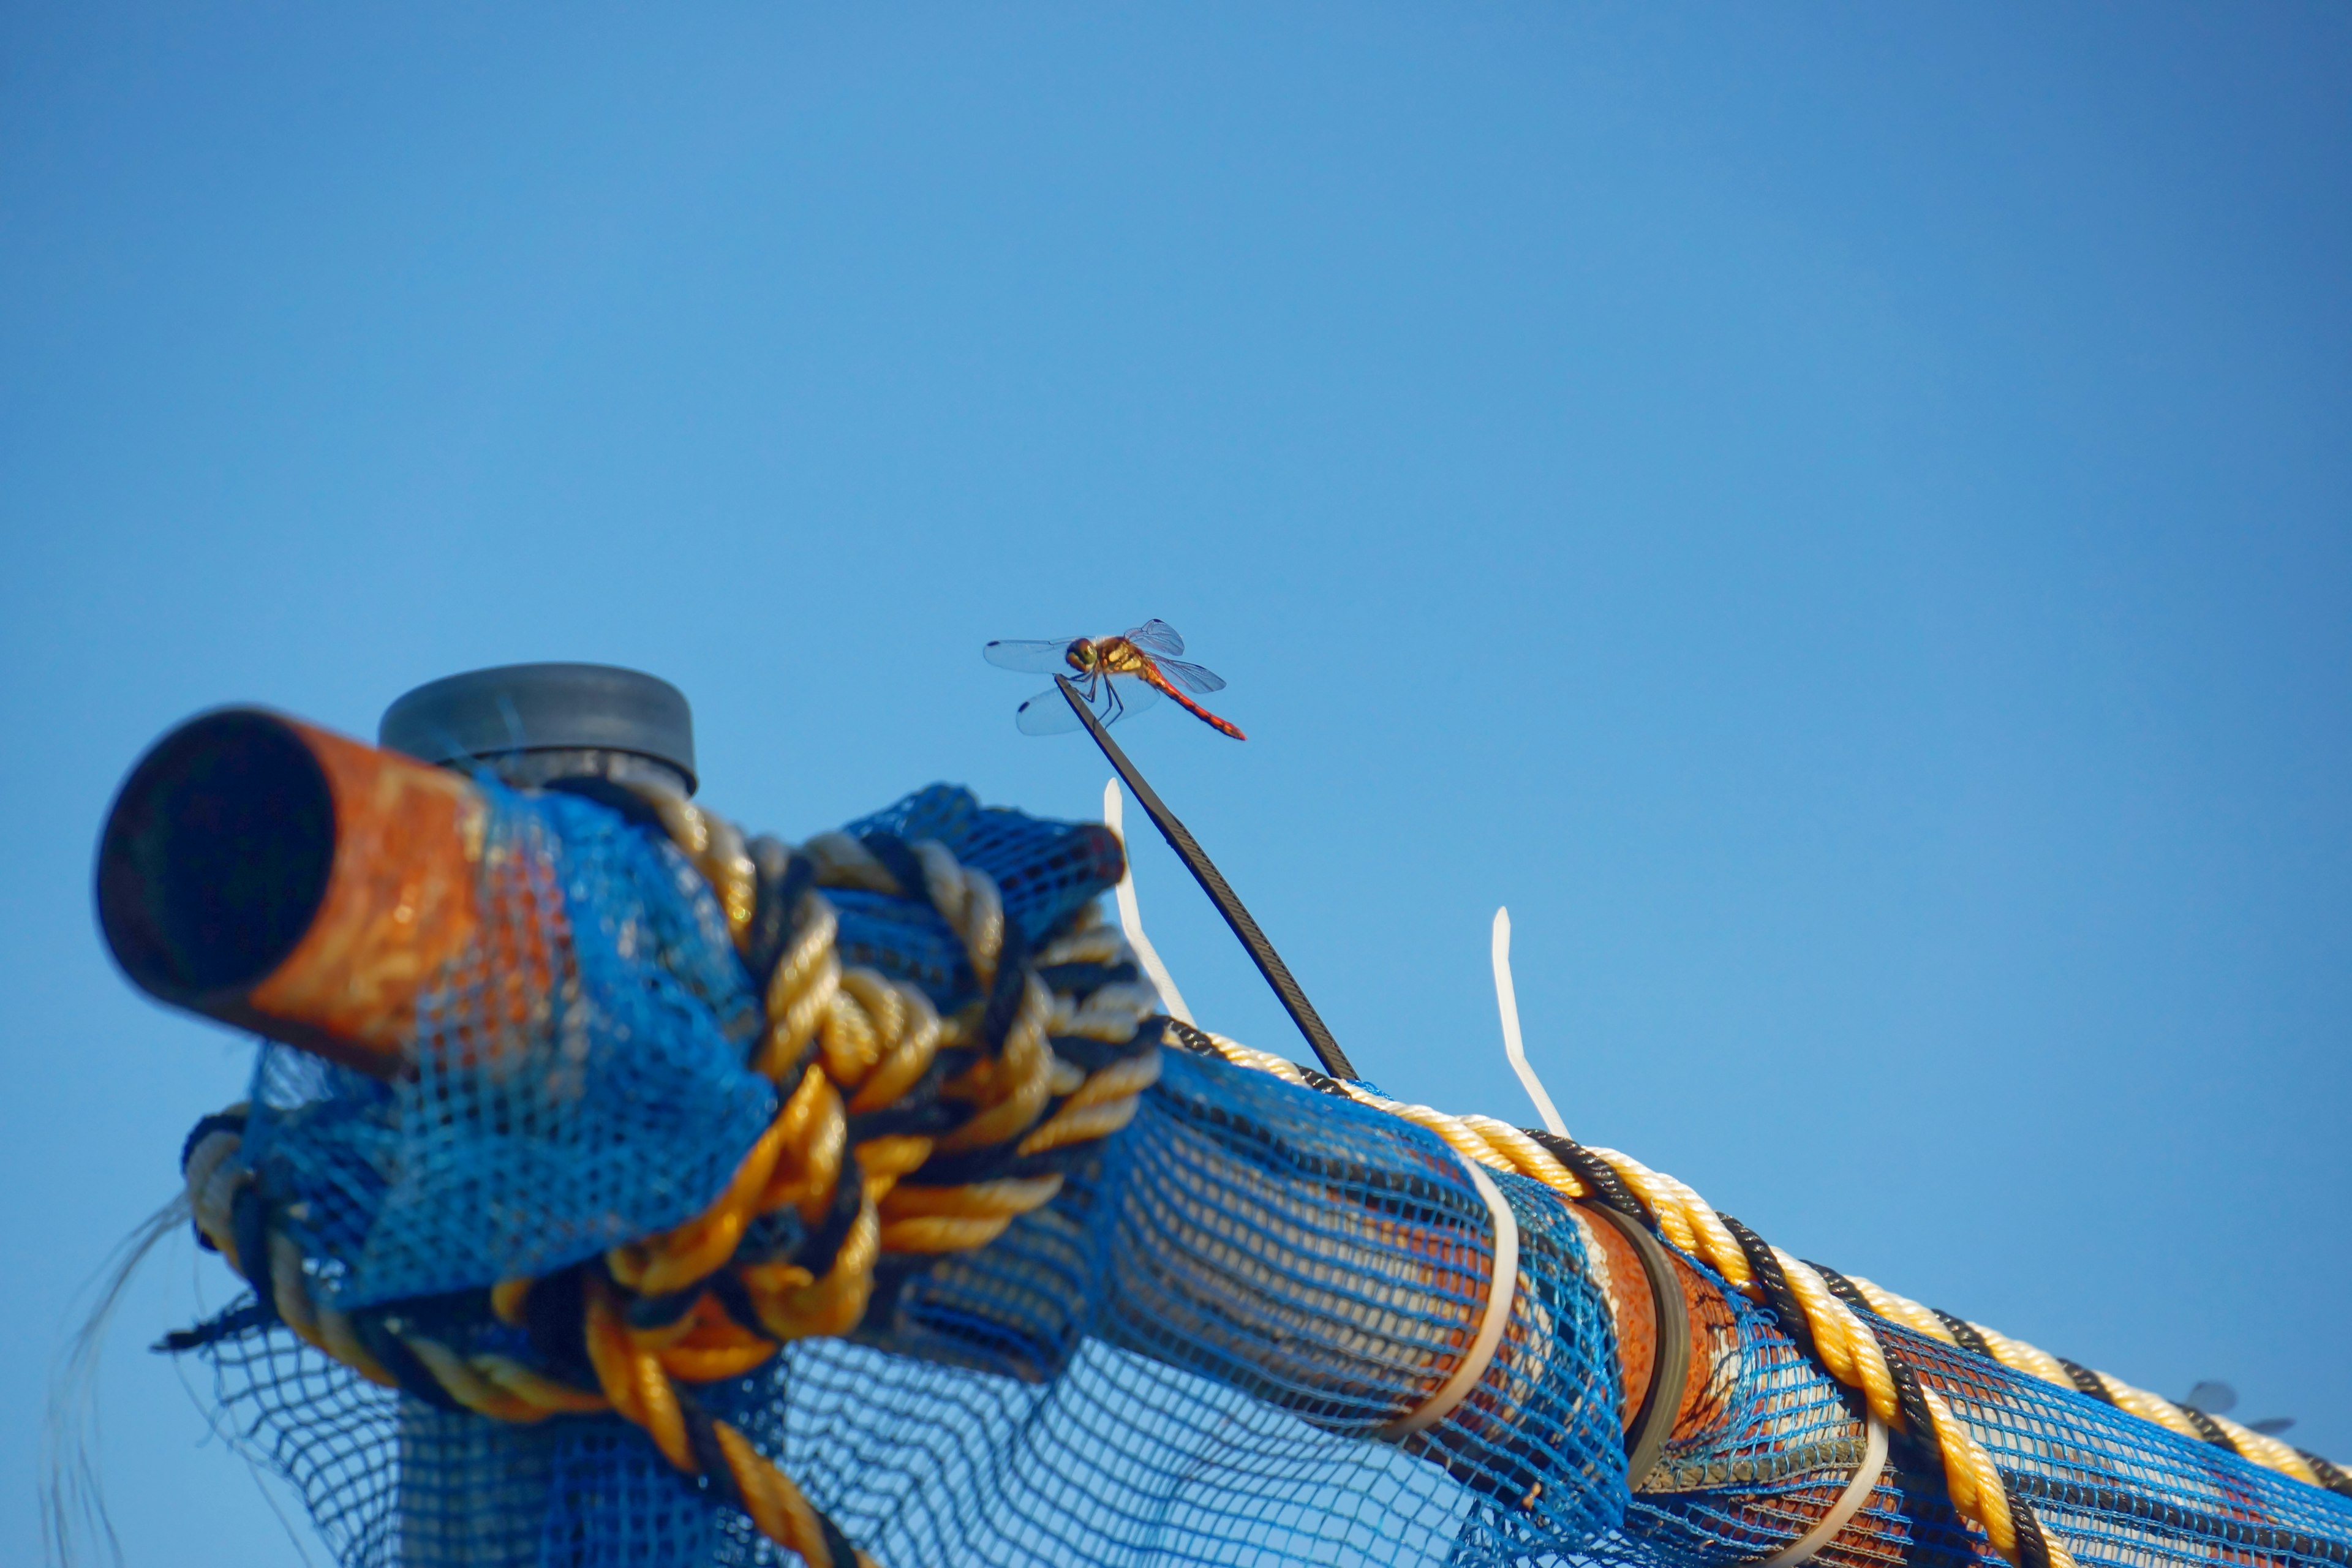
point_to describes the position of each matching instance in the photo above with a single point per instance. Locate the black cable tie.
(1204, 871)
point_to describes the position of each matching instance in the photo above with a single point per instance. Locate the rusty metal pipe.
(286, 880)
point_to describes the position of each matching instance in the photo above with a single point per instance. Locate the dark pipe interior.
(216, 857)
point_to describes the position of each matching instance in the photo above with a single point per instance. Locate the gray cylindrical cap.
(543, 708)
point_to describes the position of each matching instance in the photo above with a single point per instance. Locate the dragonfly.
(1117, 676)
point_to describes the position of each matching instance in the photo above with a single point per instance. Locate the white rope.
(1501, 1287)
(1842, 1512)
(1506, 1002)
(1130, 913)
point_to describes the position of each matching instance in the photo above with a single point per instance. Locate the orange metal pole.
(285, 879)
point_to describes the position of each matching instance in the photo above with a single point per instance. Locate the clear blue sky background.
(1837, 515)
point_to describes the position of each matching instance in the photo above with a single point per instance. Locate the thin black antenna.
(1220, 893)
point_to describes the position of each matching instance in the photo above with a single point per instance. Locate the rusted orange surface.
(401, 902)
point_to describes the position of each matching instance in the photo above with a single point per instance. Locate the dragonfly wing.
(2212, 1398)
(1191, 677)
(1111, 699)
(1046, 714)
(1157, 638)
(1029, 658)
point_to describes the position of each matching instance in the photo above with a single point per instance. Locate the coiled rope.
(872, 1086)
(1827, 1313)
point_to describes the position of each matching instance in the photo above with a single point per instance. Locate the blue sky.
(1837, 515)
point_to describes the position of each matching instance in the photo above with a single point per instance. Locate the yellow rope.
(838, 1041)
(1848, 1349)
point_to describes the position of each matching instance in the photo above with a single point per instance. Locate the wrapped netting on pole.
(574, 1289)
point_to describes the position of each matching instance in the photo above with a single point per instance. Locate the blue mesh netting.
(606, 1100)
(1081, 1391)
(1042, 872)
(1178, 1361)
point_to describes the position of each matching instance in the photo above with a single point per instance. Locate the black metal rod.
(1220, 893)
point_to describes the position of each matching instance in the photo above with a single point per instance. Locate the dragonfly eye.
(1081, 654)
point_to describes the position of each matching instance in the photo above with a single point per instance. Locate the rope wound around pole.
(896, 1131)
(1830, 1316)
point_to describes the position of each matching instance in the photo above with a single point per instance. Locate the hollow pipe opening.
(215, 858)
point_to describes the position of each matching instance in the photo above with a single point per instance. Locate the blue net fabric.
(1189, 1351)
(621, 1103)
(1097, 1385)
(1181, 1360)
(1773, 1443)
(1043, 871)
(617, 1105)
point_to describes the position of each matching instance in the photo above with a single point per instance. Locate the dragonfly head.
(1081, 656)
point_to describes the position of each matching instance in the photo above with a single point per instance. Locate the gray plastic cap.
(490, 715)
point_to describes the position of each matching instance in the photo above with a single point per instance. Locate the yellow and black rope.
(1827, 1313)
(874, 1088)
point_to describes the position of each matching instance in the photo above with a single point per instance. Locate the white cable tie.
(1130, 913)
(1506, 1002)
(1500, 1289)
(1849, 1503)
